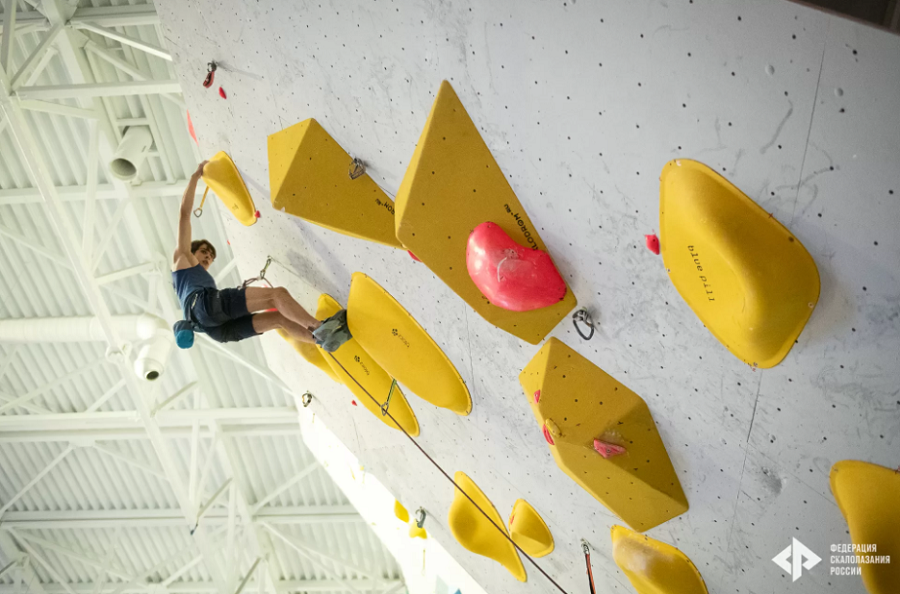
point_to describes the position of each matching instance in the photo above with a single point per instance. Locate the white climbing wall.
(582, 103)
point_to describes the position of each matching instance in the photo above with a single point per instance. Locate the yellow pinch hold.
(365, 375)
(868, 496)
(654, 567)
(401, 512)
(416, 532)
(478, 535)
(528, 530)
(221, 176)
(402, 347)
(747, 278)
(576, 403)
(309, 178)
(452, 185)
(310, 354)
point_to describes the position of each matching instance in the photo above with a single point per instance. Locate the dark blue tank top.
(190, 280)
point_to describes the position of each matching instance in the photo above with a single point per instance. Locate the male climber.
(227, 315)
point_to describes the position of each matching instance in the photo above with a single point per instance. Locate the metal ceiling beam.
(105, 16)
(139, 44)
(10, 14)
(157, 189)
(192, 587)
(137, 433)
(104, 89)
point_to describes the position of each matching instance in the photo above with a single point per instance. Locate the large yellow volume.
(309, 178)
(453, 185)
(869, 497)
(221, 176)
(479, 534)
(368, 375)
(654, 567)
(748, 279)
(576, 403)
(402, 347)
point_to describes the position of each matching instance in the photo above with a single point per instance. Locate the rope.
(587, 561)
(449, 478)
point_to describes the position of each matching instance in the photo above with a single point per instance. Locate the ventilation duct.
(151, 359)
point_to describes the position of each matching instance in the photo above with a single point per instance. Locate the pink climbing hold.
(537, 396)
(512, 276)
(353, 402)
(547, 436)
(652, 243)
(222, 93)
(256, 214)
(191, 128)
(413, 256)
(608, 450)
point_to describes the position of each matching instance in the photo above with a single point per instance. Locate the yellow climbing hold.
(311, 354)
(478, 534)
(363, 375)
(868, 496)
(402, 347)
(416, 532)
(529, 531)
(576, 402)
(748, 279)
(309, 177)
(653, 567)
(222, 177)
(401, 512)
(453, 185)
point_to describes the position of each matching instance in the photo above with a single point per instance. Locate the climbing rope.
(449, 478)
(587, 560)
(262, 276)
(583, 316)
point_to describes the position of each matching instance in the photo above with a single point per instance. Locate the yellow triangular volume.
(359, 372)
(402, 347)
(476, 533)
(653, 567)
(869, 497)
(748, 279)
(311, 354)
(453, 185)
(575, 403)
(529, 531)
(401, 512)
(309, 178)
(222, 177)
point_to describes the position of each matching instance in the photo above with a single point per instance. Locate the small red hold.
(413, 256)
(229, 241)
(608, 450)
(511, 518)
(652, 243)
(353, 402)
(547, 436)
(222, 93)
(256, 214)
(537, 396)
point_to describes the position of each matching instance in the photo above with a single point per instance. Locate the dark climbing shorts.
(223, 314)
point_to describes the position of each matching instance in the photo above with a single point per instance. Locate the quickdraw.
(387, 403)
(584, 317)
(587, 560)
(210, 74)
(199, 210)
(306, 399)
(357, 168)
(420, 517)
(261, 277)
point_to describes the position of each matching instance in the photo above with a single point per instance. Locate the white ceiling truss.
(198, 482)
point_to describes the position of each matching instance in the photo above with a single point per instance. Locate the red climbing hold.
(511, 276)
(256, 214)
(413, 256)
(547, 436)
(222, 93)
(353, 402)
(608, 450)
(191, 128)
(537, 396)
(652, 243)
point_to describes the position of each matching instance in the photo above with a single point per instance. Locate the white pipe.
(150, 362)
(131, 152)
